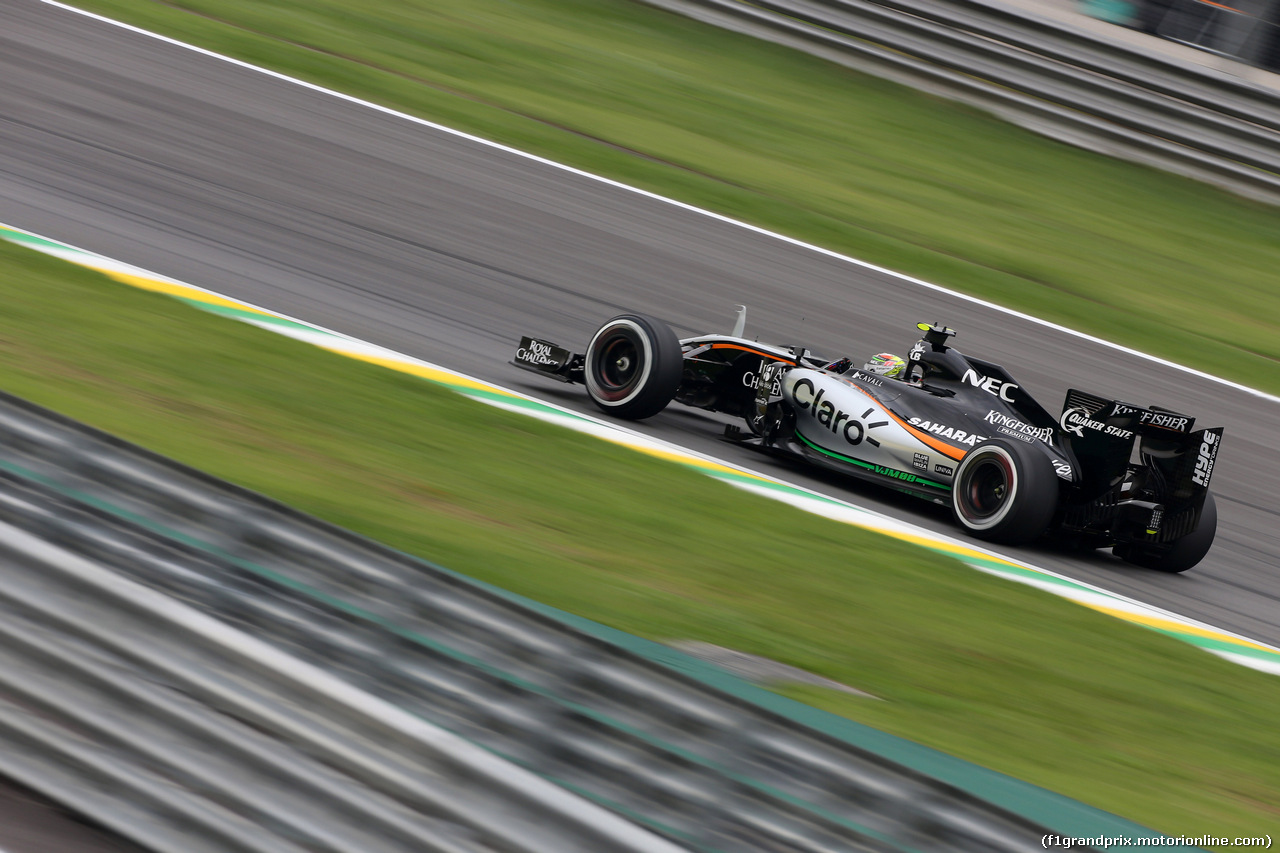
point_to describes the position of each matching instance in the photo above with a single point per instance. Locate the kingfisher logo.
(1204, 463)
(1017, 429)
(1163, 420)
(849, 427)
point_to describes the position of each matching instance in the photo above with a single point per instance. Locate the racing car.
(952, 429)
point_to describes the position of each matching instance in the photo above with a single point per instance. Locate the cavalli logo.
(944, 431)
(1017, 429)
(828, 416)
(998, 387)
(867, 378)
(536, 352)
(1076, 420)
(1208, 455)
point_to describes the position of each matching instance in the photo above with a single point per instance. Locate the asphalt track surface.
(446, 249)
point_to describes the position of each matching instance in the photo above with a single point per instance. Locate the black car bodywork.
(955, 429)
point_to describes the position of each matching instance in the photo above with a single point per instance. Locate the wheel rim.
(619, 364)
(986, 490)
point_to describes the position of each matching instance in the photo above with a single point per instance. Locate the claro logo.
(828, 416)
(1208, 455)
(1003, 390)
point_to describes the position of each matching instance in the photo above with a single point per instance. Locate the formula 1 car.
(955, 429)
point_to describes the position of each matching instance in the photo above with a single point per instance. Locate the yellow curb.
(676, 456)
(1178, 627)
(958, 551)
(419, 370)
(173, 289)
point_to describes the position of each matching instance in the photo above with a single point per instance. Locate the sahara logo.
(991, 385)
(943, 431)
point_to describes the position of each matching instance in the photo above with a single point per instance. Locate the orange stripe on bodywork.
(937, 444)
(1226, 7)
(767, 355)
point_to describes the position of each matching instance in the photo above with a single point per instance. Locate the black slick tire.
(1004, 491)
(1185, 552)
(633, 366)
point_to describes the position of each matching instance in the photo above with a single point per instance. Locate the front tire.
(1185, 552)
(633, 366)
(1004, 491)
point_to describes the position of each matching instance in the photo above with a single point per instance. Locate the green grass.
(801, 146)
(1014, 679)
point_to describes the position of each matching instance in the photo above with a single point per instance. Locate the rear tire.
(1185, 553)
(633, 366)
(1004, 491)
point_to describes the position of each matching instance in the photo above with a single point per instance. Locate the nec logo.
(998, 387)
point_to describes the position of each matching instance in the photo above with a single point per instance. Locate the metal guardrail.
(1041, 74)
(706, 769)
(189, 736)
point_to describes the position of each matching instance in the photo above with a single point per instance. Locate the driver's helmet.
(886, 364)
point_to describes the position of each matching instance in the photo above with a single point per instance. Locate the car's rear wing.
(1103, 433)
